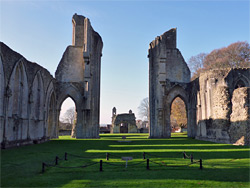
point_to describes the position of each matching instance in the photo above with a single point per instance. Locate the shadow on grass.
(120, 176)
(22, 166)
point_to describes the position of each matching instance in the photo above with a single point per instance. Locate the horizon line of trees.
(235, 55)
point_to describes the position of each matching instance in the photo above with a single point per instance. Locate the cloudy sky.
(41, 31)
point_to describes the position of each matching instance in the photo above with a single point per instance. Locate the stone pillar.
(80, 124)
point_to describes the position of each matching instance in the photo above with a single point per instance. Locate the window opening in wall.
(178, 117)
(67, 118)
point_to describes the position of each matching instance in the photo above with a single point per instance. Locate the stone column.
(80, 130)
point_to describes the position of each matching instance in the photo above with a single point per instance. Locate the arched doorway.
(70, 91)
(177, 92)
(178, 116)
(67, 118)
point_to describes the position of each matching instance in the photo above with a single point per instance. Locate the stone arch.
(70, 114)
(50, 128)
(36, 125)
(241, 81)
(75, 94)
(71, 92)
(175, 92)
(17, 104)
(2, 88)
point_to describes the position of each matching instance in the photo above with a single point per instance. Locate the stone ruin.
(217, 102)
(31, 99)
(123, 123)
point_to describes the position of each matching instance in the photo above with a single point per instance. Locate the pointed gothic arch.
(75, 94)
(242, 81)
(176, 91)
(72, 92)
(36, 98)
(16, 127)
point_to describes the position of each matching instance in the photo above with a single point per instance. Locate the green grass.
(224, 165)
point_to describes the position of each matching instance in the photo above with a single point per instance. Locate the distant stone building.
(123, 123)
(31, 99)
(217, 103)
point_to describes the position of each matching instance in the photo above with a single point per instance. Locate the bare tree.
(69, 116)
(196, 64)
(236, 55)
(144, 109)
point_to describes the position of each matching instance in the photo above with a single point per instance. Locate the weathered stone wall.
(219, 105)
(23, 94)
(214, 107)
(239, 131)
(71, 66)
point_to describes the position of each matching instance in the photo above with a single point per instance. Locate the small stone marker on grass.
(127, 159)
(124, 139)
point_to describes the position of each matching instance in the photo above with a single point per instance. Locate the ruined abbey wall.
(223, 105)
(217, 103)
(26, 89)
(31, 99)
(166, 65)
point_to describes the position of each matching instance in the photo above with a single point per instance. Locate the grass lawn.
(223, 165)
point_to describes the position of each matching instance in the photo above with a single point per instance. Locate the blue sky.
(41, 31)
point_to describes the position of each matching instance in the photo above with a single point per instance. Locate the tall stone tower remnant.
(78, 76)
(168, 79)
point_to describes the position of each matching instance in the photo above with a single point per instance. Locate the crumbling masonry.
(217, 103)
(31, 99)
